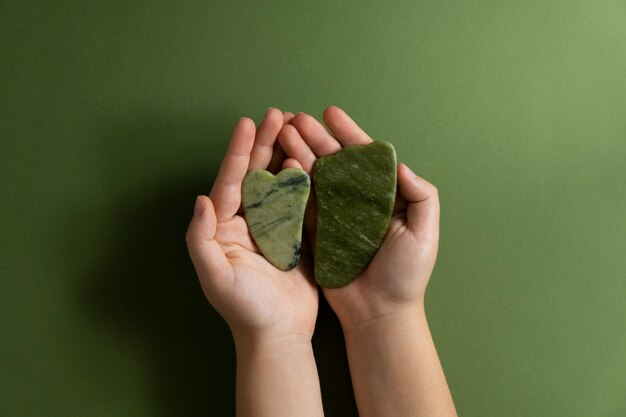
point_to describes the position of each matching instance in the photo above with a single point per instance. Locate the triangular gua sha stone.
(274, 210)
(355, 191)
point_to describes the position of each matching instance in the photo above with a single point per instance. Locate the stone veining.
(274, 210)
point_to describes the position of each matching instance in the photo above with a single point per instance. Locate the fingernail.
(268, 110)
(199, 207)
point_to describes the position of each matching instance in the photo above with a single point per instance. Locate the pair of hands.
(260, 301)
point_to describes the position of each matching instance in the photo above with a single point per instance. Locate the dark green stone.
(355, 190)
(274, 210)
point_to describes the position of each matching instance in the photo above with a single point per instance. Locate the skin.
(394, 366)
(271, 313)
(393, 362)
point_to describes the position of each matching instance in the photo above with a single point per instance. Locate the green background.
(114, 115)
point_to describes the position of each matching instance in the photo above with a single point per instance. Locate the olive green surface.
(355, 191)
(115, 115)
(274, 210)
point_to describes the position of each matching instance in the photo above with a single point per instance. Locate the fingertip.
(287, 117)
(203, 224)
(404, 178)
(198, 208)
(298, 121)
(413, 187)
(242, 138)
(422, 203)
(203, 205)
(285, 132)
(405, 172)
(331, 109)
(305, 123)
(300, 115)
(343, 128)
(291, 163)
(273, 112)
(272, 122)
(245, 129)
(204, 209)
(246, 122)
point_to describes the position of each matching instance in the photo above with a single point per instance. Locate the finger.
(344, 128)
(295, 147)
(315, 135)
(291, 163)
(287, 116)
(265, 138)
(422, 209)
(207, 256)
(279, 155)
(226, 192)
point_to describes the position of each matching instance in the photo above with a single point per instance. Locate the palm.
(401, 268)
(248, 291)
(391, 274)
(390, 279)
(268, 296)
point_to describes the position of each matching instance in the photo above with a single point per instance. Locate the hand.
(256, 299)
(395, 280)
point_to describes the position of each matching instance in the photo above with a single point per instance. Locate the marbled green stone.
(355, 190)
(274, 210)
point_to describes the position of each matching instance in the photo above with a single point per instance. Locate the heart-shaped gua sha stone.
(274, 210)
(355, 191)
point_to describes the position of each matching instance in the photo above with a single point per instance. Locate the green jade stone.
(274, 210)
(355, 190)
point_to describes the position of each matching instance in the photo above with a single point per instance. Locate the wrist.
(276, 375)
(378, 324)
(249, 342)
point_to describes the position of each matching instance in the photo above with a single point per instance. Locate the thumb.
(422, 209)
(207, 256)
